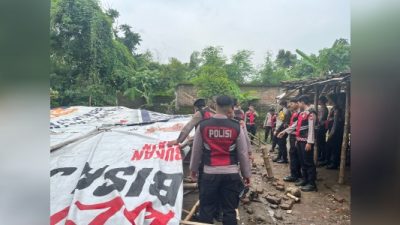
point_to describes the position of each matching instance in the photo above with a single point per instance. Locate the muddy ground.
(330, 205)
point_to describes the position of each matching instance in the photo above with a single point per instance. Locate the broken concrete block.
(273, 199)
(280, 188)
(260, 219)
(249, 210)
(338, 198)
(259, 190)
(273, 206)
(287, 205)
(278, 215)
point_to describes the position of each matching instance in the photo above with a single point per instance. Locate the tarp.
(120, 175)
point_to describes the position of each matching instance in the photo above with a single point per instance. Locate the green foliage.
(241, 67)
(93, 61)
(214, 81)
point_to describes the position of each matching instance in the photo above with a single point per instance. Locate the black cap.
(224, 100)
(201, 102)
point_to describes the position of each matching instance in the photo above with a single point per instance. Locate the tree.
(285, 59)
(213, 56)
(241, 67)
(130, 39)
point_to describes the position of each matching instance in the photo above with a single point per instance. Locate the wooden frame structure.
(337, 83)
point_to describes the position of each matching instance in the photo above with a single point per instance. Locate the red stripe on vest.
(294, 115)
(302, 116)
(219, 139)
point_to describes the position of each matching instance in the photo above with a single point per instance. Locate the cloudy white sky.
(176, 28)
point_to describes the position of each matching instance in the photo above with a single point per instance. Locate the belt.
(301, 139)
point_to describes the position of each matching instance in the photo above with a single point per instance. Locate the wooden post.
(345, 135)
(267, 163)
(316, 121)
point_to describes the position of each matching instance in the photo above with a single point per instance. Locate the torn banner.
(125, 175)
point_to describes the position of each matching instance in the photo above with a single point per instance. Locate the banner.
(122, 175)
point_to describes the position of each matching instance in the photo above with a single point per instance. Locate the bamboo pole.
(345, 135)
(267, 164)
(316, 95)
(189, 216)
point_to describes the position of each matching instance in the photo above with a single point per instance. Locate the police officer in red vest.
(250, 119)
(221, 144)
(295, 165)
(201, 112)
(305, 139)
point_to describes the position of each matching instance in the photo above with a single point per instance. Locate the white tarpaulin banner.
(121, 175)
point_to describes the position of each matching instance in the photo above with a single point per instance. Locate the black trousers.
(221, 189)
(308, 168)
(333, 147)
(282, 154)
(274, 140)
(295, 166)
(252, 129)
(268, 132)
(321, 142)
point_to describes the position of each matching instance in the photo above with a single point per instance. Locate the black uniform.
(295, 164)
(321, 133)
(284, 116)
(336, 127)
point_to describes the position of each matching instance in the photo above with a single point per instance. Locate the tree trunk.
(345, 135)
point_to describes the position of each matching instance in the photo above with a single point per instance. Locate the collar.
(220, 116)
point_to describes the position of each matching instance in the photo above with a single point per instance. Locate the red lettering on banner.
(114, 206)
(58, 216)
(150, 151)
(158, 217)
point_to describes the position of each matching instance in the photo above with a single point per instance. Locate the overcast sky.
(176, 28)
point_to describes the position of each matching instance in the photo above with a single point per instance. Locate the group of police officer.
(221, 153)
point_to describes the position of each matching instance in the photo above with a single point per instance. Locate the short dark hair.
(224, 100)
(333, 98)
(271, 109)
(235, 101)
(294, 99)
(323, 99)
(201, 102)
(305, 99)
(283, 103)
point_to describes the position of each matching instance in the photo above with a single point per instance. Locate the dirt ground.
(330, 205)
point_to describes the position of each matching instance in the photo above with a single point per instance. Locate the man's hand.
(247, 182)
(280, 135)
(171, 143)
(193, 175)
(308, 147)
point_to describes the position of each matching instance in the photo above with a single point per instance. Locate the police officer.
(268, 124)
(238, 112)
(295, 165)
(221, 144)
(335, 133)
(282, 123)
(321, 129)
(250, 119)
(201, 112)
(305, 139)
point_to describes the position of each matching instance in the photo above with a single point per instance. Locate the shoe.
(301, 182)
(196, 217)
(332, 167)
(275, 160)
(290, 179)
(282, 161)
(309, 187)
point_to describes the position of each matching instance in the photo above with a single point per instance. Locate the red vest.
(251, 117)
(219, 141)
(302, 125)
(293, 118)
(206, 113)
